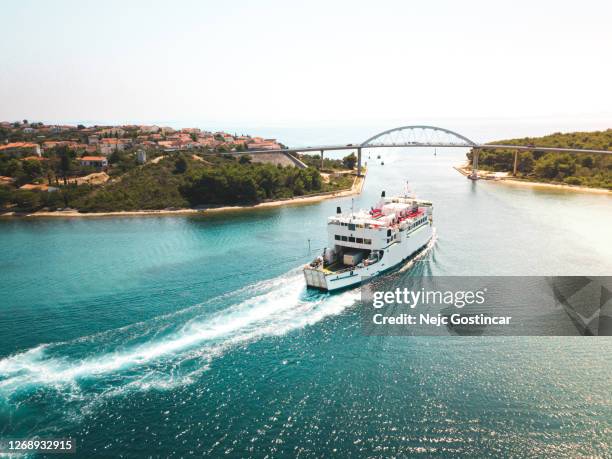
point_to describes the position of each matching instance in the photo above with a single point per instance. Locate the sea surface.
(190, 336)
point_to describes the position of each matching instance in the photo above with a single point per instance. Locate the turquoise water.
(179, 336)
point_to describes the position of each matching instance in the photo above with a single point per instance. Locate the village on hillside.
(92, 146)
(37, 137)
(146, 166)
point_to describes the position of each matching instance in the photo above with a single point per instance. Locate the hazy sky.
(315, 62)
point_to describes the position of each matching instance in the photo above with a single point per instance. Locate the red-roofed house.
(257, 143)
(49, 144)
(166, 144)
(94, 161)
(107, 146)
(22, 148)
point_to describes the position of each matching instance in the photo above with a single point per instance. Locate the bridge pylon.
(474, 174)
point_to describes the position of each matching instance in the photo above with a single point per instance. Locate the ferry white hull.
(394, 255)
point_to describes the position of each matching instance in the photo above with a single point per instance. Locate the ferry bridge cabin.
(392, 219)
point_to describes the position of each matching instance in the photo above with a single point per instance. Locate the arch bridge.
(427, 136)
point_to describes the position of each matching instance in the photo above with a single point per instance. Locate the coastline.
(465, 170)
(309, 199)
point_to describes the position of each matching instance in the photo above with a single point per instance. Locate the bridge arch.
(417, 136)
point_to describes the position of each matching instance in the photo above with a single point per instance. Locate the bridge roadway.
(425, 145)
(477, 147)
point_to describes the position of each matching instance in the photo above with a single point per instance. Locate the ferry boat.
(367, 243)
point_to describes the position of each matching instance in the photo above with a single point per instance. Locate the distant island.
(588, 170)
(46, 168)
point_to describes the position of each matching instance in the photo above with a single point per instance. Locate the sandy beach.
(466, 169)
(355, 189)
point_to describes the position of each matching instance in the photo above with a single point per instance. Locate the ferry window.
(351, 239)
(351, 227)
(367, 241)
(388, 232)
(359, 240)
(344, 238)
(337, 237)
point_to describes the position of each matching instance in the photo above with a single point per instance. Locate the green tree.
(180, 165)
(27, 200)
(11, 167)
(525, 162)
(65, 161)
(244, 159)
(546, 167)
(115, 157)
(573, 181)
(33, 169)
(6, 196)
(4, 133)
(350, 161)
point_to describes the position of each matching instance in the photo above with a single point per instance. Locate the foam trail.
(273, 307)
(430, 245)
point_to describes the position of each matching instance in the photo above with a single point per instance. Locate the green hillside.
(591, 170)
(179, 180)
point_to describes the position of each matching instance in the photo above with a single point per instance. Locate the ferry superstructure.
(367, 243)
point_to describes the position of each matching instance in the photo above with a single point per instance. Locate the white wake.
(268, 308)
